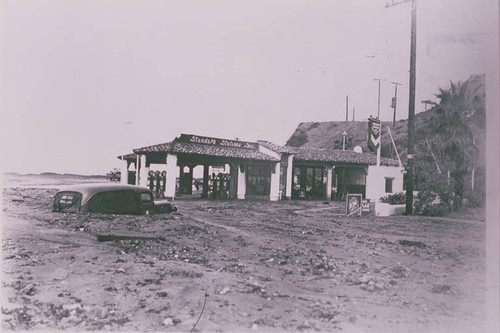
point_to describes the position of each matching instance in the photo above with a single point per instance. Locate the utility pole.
(395, 101)
(353, 113)
(378, 117)
(411, 106)
(411, 109)
(346, 108)
(378, 109)
(427, 102)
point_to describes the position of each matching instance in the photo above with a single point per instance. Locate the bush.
(475, 199)
(431, 203)
(395, 199)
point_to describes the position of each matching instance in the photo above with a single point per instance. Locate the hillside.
(328, 135)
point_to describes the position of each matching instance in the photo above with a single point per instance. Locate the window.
(146, 197)
(66, 199)
(114, 202)
(388, 185)
(67, 202)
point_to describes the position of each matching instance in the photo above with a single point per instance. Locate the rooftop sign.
(188, 138)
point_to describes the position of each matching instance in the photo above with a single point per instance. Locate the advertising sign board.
(353, 204)
(373, 133)
(365, 206)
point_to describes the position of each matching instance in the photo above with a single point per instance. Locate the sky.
(82, 82)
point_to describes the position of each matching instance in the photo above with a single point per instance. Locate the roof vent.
(358, 149)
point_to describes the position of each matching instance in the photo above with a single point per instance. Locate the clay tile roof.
(128, 157)
(276, 148)
(207, 150)
(200, 149)
(329, 155)
(300, 153)
(162, 147)
(340, 156)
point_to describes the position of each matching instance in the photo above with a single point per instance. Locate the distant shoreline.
(51, 174)
(47, 180)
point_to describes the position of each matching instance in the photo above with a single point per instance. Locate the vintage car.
(109, 199)
(114, 174)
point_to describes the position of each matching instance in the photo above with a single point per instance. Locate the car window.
(67, 202)
(114, 202)
(146, 197)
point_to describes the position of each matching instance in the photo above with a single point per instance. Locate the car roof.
(89, 190)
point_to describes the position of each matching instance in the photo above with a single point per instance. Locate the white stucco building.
(264, 169)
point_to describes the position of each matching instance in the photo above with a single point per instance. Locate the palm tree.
(456, 129)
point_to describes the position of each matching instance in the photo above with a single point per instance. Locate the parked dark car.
(109, 199)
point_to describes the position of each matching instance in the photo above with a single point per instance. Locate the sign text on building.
(188, 138)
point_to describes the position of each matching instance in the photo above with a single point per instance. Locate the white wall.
(124, 172)
(158, 167)
(375, 181)
(275, 183)
(143, 172)
(242, 183)
(289, 173)
(172, 174)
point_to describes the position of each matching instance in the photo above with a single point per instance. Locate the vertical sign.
(373, 133)
(353, 204)
(365, 206)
